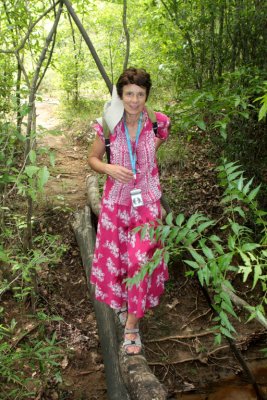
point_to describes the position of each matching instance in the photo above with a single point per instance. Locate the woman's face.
(134, 98)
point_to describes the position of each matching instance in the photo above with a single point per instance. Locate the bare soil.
(178, 341)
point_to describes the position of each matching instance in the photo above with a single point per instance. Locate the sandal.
(122, 315)
(136, 342)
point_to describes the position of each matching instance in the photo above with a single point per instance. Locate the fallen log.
(85, 236)
(93, 196)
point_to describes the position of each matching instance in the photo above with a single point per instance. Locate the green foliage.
(236, 248)
(263, 101)
(26, 367)
(21, 267)
(217, 108)
(173, 152)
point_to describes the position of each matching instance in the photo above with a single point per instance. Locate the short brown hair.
(136, 76)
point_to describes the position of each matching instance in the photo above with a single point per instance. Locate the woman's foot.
(132, 342)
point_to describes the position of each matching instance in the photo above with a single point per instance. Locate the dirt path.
(66, 186)
(64, 287)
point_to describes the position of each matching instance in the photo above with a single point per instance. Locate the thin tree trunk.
(127, 36)
(220, 40)
(89, 44)
(212, 44)
(31, 118)
(76, 74)
(18, 98)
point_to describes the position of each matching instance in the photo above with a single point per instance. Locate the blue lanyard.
(129, 145)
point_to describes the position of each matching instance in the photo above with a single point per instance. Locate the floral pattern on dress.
(147, 170)
(120, 252)
(117, 258)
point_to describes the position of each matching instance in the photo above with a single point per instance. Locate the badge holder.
(136, 197)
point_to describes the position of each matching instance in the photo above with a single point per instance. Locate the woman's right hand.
(119, 173)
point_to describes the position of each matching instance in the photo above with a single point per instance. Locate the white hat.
(113, 111)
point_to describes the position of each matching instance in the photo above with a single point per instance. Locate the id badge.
(136, 197)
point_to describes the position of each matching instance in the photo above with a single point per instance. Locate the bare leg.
(132, 323)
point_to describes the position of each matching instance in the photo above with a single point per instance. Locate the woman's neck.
(132, 119)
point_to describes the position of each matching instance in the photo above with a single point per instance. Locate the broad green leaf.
(225, 321)
(257, 274)
(247, 186)
(31, 170)
(165, 232)
(227, 307)
(208, 252)
(240, 183)
(192, 264)
(263, 111)
(218, 339)
(206, 274)
(215, 238)
(43, 177)
(193, 219)
(180, 219)
(174, 232)
(231, 167)
(169, 219)
(249, 246)
(254, 193)
(181, 235)
(239, 211)
(244, 257)
(52, 158)
(234, 175)
(199, 259)
(200, 277)
(231, 242)
(204, 225)
(236, 228)
(201, 124)
(245, 271)
(226, 332)
(32, 156)
(166, 257)
(190, 238)
(225, 296)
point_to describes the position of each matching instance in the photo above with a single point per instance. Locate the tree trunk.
(220, 40)
(89, 44)
(212, 43)
(85, 236)
(127, 36)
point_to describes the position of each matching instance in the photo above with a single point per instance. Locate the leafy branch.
(237, 248)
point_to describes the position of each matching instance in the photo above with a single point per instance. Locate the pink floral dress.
(120, 252)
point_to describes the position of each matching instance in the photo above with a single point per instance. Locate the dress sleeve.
(163, 125)
(99, 131)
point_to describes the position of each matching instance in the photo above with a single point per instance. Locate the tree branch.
(89, 44)
(24, 40)
(127, 36)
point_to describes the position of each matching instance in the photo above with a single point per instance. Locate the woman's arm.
(95, 158)
(158, 142)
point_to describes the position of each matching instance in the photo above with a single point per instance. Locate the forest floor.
(178, 341)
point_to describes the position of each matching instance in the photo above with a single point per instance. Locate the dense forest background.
(208, 63)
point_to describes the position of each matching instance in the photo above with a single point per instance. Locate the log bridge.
(127, 377)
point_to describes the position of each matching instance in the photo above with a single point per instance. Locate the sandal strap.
(135, 330)
(121, 310)
(134, 342)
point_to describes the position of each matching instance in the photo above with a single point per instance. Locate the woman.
(119, 252)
